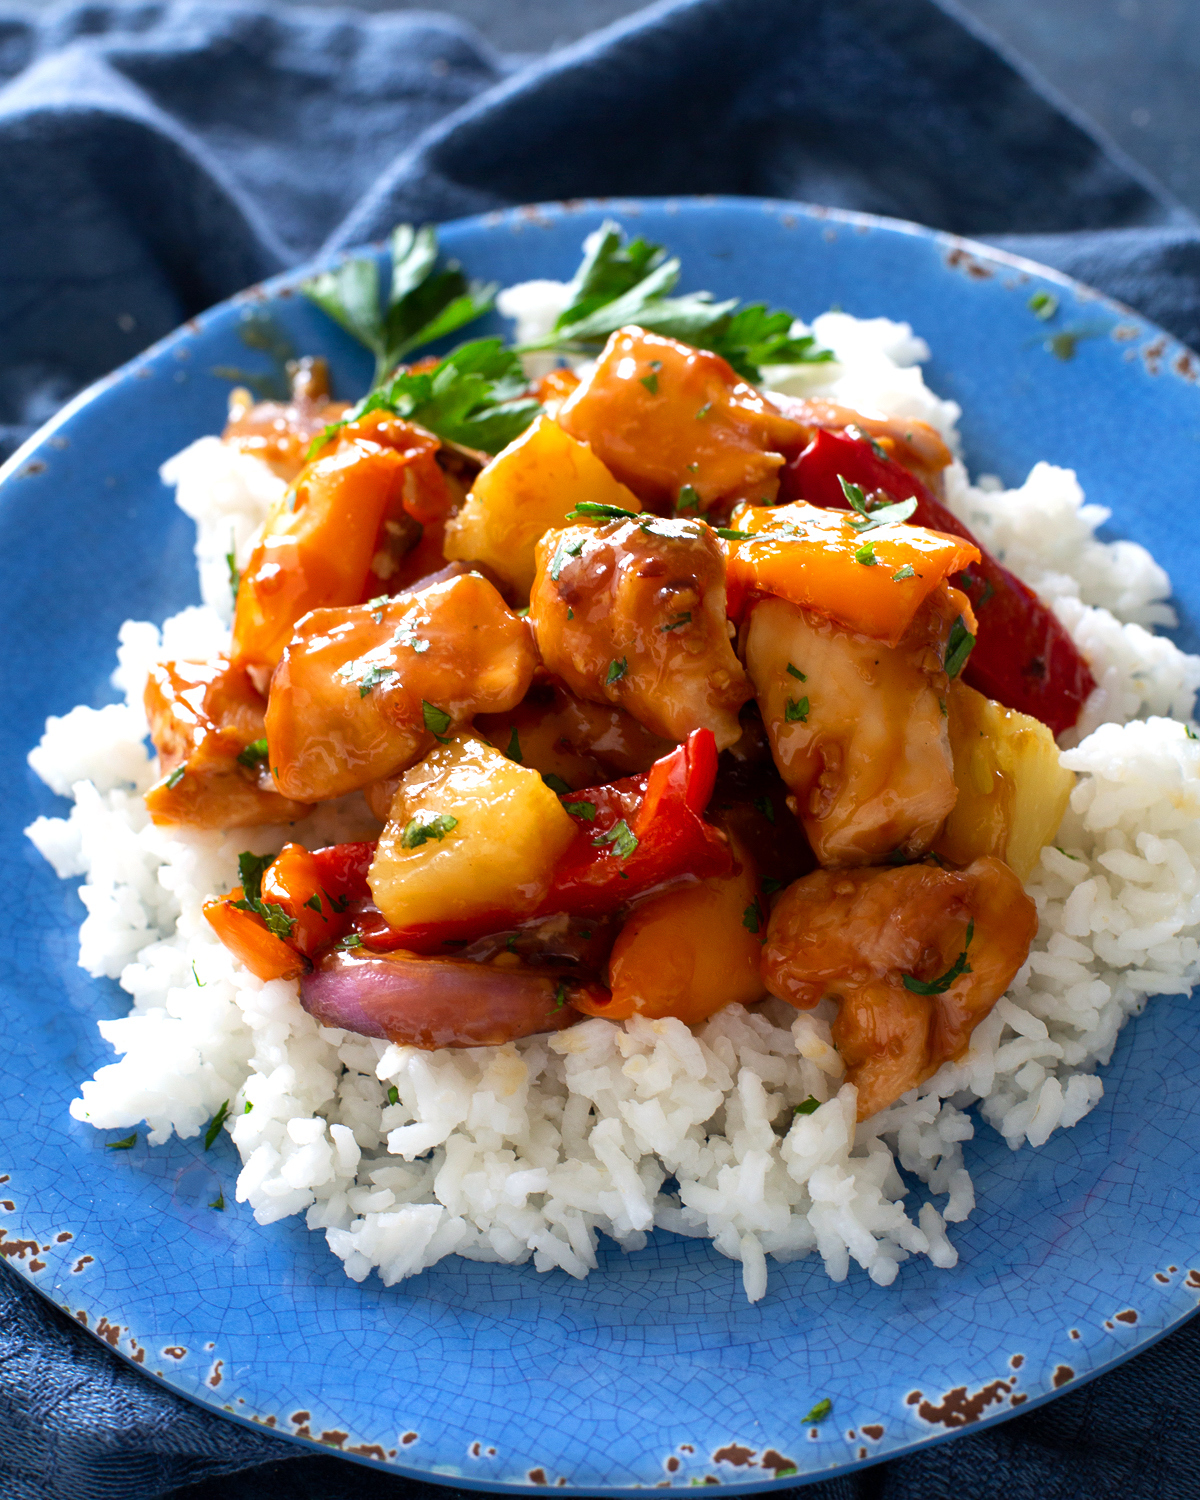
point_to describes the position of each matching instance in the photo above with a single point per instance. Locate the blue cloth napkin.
(157, 157)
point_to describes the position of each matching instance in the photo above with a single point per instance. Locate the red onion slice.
(440, 1002)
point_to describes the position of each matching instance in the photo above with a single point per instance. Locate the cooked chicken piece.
(362, 692)
(679, 427)
(581, 743)
(633, 613)
(281, 432)
(206, 721)
(857, 728)
(917, 956)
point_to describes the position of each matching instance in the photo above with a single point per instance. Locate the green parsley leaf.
(176, 777)
(254, 753)
(677, 622)
(752, 917)
(418, 833)
(808, 1107)
(514, 747)
(796, 712)
(251, 869)
(944, 709)
(351, 940)
(393, 1095)
(560, 996)
(1044, 305)
(855, 497)
(939, 986)
(201, 983)
(958, 648)
(616, 670)
(437, 720)
(593, 508)
(422, 303)
(796, 673)
(770, 885)
(1190, 732)
(585, 810)
(248, 1108)
(235, 577)
(556, 784)
(703, 411)
(214, 1127)
(819, 1412)
(689, 499)
(729, 534)
(619, 283)
(861, 435)
(651, 383)
(620, 836)
(314, 902)
(219, 1201)
(1075, 857)
(866, 555)
(885, 515)
(901, 574)
(766, 807)
(127, 1144)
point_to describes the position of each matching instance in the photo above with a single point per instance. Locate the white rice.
(530, 1150)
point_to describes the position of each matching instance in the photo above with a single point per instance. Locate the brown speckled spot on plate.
(1126, 1315)
(1062, 1373)
(538, 1476)
(333, 1438)
(175, 1351)
(672, 1465)
(84, 1260)
(16, 1249)
(214, 1375)
(1017, 1361)
(873, 1430)
(368, 1450)
(408, 1437)
(735, 1454)
(109, 1332)
(959, 1408)
(777, 1462)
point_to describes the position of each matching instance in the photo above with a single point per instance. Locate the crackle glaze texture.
(654, 1370)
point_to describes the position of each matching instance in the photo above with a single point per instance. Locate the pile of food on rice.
(627, 793)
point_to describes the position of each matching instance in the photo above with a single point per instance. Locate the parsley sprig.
(939, 986)
(422, 303)
(868, 516)
(251, 869)
(621, 282)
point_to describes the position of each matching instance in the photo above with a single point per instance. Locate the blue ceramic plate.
(655, 1369)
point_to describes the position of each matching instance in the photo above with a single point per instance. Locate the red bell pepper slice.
(646, 830)
(1023, 656)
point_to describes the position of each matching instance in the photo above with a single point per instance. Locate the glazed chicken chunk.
(917, 956)
(858, 729)
(633, 613)
(364, 691)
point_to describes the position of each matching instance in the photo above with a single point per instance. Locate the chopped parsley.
(958, 648)
(1075, 857)
(770, 885)
(866, 516)
(560, 995)
(126, 1144)
(677, 622)
(766, 807)
(371, 677)
(620, 836)
(616, 670)
(219, 1201)
(585, 810)
(1044, 305)
(752, 917)
(907, 571)
(562, 552)
(957, 969)
(201, 983)
(351, 940)
(235, 577)
(254, 753)
(393, 1095)
(688, 499)
(251, 869)
(594, 509)
(796, 712)
(417, 833)
(808, 1107)
(795, 672)
(556, 784)
(437, 720)
(819, 1412)
(248, 1108)
(866, 555)
(314, 902)
(703, 411)
(860, 435)
(514, 747)
(176, 777)
(1190, 732)
(651, 383)
(214, 1126)
(730, 534)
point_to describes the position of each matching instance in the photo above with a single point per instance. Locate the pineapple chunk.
(521, 494)
(1012, 790)
(471, 834)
